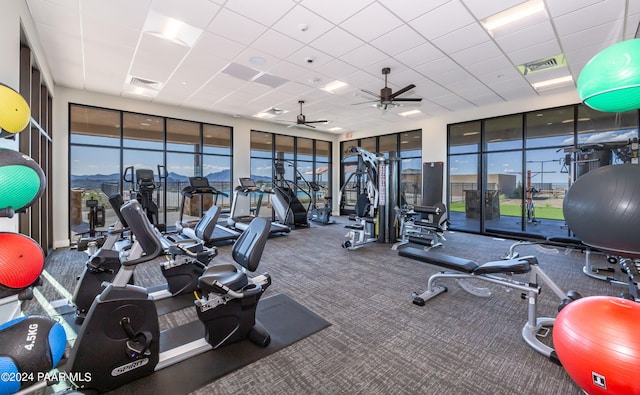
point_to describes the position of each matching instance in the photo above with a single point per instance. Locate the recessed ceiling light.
(552, 82)
(513, 14)
(333, 86)
(257, 60)
(171, 29)
(409, 113)
(303, 27)
(264, 115)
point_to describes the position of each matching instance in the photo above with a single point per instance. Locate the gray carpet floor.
(379, 342)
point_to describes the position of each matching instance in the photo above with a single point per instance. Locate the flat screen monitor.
(247, 182)
(198, 182)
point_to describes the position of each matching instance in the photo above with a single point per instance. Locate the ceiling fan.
(387, 98)
(302, 120)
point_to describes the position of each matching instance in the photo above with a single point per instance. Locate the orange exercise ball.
(596, 339)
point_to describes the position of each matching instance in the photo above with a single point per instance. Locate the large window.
(509, 175)
(306, 160)
(105, 143)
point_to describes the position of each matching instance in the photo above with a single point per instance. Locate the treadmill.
(204, 229)
(241, 214)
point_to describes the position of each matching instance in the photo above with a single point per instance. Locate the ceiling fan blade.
(307, 125)
(408, 99)
(365, 102)
(403, 90)
(370, 93)
(320, 121)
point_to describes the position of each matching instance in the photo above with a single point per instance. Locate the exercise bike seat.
(226, 274)
(246, 252)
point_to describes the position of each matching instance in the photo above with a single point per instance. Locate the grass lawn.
(516, 210)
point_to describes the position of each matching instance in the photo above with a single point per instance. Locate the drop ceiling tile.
(463, 38)
(586, 38)
(236, 27)
(264, 15)
(290, 25)
(497, 75)
(210, 44)
(336, 42)
(336, 69)
(364, 55)
(366, 23)
(253, 58)
(122, 12)
(486, 99)
(56, 17)
(483, 9)
(198, 13)
(411, 9)
(585, 18)
(335, 10)
(101, 31)
(421, 54)
(302, 56)
(535, 52)
(439, 22)
(294, 88)
(288, 70)
(451, 76)
(561, 7)
(398, 40)
(524, 38)
(277, 44)
(438, 66)
(468, 87)
(478, 53)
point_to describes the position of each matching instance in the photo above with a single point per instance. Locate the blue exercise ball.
(602, 208)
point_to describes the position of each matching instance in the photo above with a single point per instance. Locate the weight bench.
(573, 243)
(497, 272)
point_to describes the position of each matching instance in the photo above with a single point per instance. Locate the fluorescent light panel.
(171, 29)
(552, 82)
(409, 113)
(264, 115)
(334, 129)
(513, 14)
(333, 86)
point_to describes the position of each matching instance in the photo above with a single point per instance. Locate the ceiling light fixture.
(513, 14)
(409, 113)
(264, 115)
(333, 86)
(171, 29)
(552, 83)
(334, 129)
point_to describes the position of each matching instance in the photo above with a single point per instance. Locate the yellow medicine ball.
(14, 110)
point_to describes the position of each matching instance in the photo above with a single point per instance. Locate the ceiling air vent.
(144, 83)
(549, 63)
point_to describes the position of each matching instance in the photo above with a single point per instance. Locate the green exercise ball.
(610, 82)
(22, 181)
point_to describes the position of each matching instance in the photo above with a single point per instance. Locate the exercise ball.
(602, 208)
(610, 81)
(21, 260)
(22, 181)
(14, 110)
(597, 342)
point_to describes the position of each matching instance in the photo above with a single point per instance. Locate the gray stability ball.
(602, 208)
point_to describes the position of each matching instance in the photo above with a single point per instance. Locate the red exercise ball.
(21, 260)
(596, 339)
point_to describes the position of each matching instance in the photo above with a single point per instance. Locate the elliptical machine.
(142, 188)
(122, 326)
